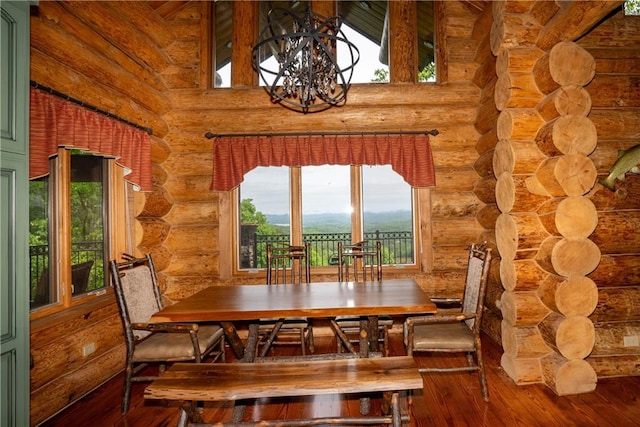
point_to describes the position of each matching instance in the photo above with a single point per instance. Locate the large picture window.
(324, 205)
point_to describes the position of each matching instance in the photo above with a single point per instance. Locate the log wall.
(615, 112)
(486, 125)
(498, 178)
(88, 51)
(153, 72)
(551, 234)
(395, 106)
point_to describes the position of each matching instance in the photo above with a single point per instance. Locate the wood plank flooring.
(447, 400)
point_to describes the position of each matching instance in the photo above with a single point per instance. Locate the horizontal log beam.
(573, 20)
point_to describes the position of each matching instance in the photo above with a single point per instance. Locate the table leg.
(234, 340)
(373, 333)
(364, 337)
(365, 402)
(249, 356)
(252, 341)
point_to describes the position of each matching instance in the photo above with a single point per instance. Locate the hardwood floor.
(447, 400)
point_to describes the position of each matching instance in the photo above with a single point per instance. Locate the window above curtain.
(408, 154)
(55, 122)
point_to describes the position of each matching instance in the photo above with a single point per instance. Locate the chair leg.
(222, 355)
(126, 391)
(385, 341)
(482, 375)
(303, 342)
(312, 348)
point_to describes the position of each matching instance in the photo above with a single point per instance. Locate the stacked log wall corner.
(614, 113)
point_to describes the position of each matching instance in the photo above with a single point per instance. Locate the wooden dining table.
(227, 304)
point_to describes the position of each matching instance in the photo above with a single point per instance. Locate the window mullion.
(116, 203)
(61, 234)
(295, 184)
(356, 204)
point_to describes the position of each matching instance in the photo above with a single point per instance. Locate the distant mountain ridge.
(331, 222)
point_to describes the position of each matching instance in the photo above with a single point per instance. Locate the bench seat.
(238, 381)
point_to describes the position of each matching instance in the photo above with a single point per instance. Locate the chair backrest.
(476, 283)
(137, 293)
(79, 279)
(359, 261)
(80, 276)
(288, 264)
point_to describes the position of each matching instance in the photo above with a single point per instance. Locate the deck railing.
(397, 247)
(80, 252)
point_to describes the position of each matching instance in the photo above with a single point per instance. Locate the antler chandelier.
(306, 75)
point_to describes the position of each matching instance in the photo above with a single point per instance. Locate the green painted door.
(14, 214)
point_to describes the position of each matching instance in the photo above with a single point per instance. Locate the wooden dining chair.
(286, 265)
(138, 297)
(457, 332)
(360, 262)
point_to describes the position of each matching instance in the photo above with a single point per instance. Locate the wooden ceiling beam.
(573, 20)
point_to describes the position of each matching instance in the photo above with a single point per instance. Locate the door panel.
(14, 214)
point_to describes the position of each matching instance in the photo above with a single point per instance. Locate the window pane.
(268, 60)
(426, 42)
(364, 26)
(42, 293)
(387, 206)
(223, 21)
(632, 7)
(326, 211)
(87, 223)
(264, 214)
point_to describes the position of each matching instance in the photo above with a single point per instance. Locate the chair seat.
(167, 346)
(443, 336)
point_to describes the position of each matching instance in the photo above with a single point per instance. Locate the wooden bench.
(391, 376)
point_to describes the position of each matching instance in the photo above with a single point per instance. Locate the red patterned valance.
(408, 154)
(55, 123)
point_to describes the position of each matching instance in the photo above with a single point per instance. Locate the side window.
(69, 228)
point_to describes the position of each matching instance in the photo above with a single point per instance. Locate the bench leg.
(395, 407)
(184, 419)
(189, 413)
(238, 411)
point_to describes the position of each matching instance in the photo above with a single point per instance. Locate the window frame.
(419, 195)
(117, 209)
(247, 35)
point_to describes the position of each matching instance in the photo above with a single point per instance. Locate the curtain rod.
(37, 85)
(434, 132)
